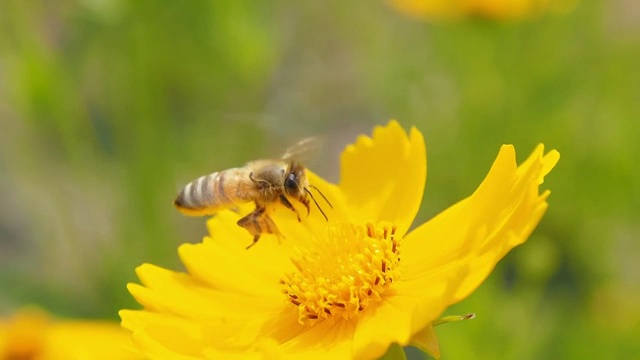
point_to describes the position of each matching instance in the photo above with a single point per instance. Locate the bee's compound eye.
(291, 184)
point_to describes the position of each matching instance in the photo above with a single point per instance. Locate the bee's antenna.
(315, 202)
(321, 194)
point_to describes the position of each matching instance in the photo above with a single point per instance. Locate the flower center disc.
(343, 271)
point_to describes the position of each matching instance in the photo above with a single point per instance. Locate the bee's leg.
(288, 205)
(255, 241)
(260, 183)
(305, 202)
(258, 222)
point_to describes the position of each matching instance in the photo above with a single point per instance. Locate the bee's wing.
(304, 146)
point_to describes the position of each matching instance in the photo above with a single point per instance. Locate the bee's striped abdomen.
(203, 195)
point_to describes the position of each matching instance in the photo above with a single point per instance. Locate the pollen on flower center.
(343, 272)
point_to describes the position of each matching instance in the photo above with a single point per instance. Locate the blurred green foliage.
(107, 107)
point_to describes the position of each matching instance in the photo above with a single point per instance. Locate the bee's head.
(295, 180)
(297, 186)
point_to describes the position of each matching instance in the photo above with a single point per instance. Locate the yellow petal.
(153, 349)
(163, 336)
(24, 335)
(262, 348)
(216, 354)
(427, 341)
(179, 294)
(159, 336)
(336, 209)
(326, 340)
(511, 224)
(32, 334)
(223, 262)
(431, 290)
(383, 325)
(481, 229)
(89, 340)
(383, 177)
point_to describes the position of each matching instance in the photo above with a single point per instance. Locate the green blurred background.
(107, 107)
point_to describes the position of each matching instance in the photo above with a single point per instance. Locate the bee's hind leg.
(257, 223)
(255, 241)
(288, 205)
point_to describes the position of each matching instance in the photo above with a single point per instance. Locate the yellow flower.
(493, 9)
(344, 288)
(32, 334)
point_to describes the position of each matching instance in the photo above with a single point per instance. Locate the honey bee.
(264, 182)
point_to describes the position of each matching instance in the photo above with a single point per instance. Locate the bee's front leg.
(288, 205)
(260, 183)
(257, 223)
(305, 202)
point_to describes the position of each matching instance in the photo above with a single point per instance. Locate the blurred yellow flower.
(493, 9)
(346, 288)
(32, 335)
